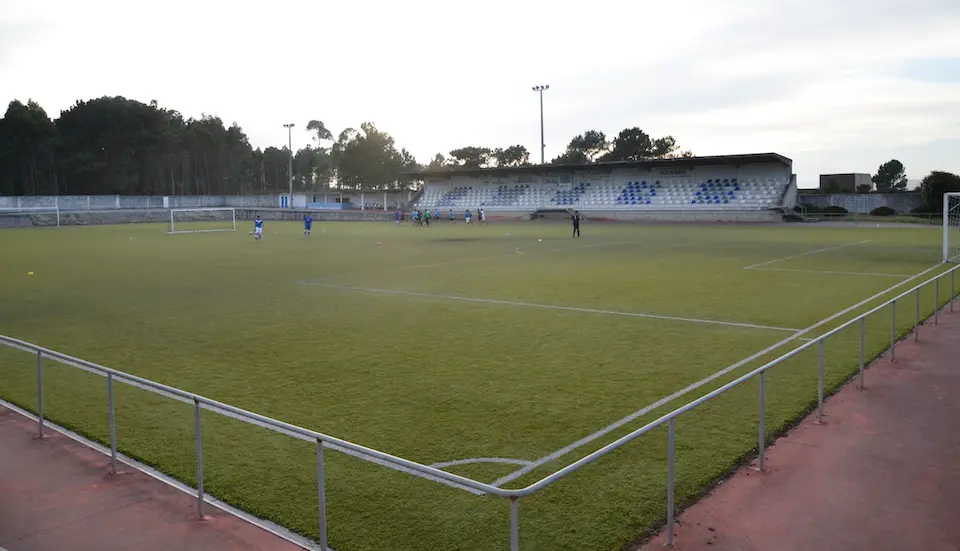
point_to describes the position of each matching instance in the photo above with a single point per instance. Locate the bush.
(792, 217)
(811, 209)
(883, 211)
(922, 209)
(835, 210)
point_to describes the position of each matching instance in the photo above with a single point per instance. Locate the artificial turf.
(444, 343)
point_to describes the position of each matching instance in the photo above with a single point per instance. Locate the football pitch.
(501, 353)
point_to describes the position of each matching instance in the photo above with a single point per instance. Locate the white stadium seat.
(720, 190)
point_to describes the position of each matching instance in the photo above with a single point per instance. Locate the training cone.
(29, 273)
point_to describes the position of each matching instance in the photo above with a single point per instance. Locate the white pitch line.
(829, 272)
(835, 247)
(519, 251)
(553, 307)
(471, 460)
(663, 401)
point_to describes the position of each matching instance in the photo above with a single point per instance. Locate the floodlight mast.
(541, 88)
(289, 128)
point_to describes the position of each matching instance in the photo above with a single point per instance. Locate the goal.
(202, 220)
(951, 227)
(25, 217)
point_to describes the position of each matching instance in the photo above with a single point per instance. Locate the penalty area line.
(825, 249)
(552, 307)
(663, 401)
(827, 272)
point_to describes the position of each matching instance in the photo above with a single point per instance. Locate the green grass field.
(441, 344)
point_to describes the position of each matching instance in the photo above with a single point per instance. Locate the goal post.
(951, 227)
(29, 216)
(202, 220)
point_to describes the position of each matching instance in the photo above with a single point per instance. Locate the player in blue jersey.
(307, 222)
(396, 216)
(257, 227)
(436, 215)
(453, 217)
(467, 216)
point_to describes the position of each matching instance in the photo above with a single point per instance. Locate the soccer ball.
(251, 233)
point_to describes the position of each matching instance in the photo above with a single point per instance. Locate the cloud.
(940, 70)
(16, 36)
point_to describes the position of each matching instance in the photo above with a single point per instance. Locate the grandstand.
(756, 182)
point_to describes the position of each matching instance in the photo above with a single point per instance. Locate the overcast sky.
(836, 85)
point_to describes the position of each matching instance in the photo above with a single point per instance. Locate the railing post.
(762, 444)
(514, 523)
(916, 319)
(39, 394)
(953, 293)
(863, 342)
(820, 350)
(199, 445)
(936, 301)
(893, 331)
(671, 455)
(321, 496)
(113, 425)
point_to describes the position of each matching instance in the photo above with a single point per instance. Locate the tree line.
(115, 145)
(592, 146)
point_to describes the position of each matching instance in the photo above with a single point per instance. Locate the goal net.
(28, 217)
(951, 227)
(202, 220)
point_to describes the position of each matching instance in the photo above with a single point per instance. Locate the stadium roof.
(646, 163)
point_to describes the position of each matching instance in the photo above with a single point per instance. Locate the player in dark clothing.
(576, 223)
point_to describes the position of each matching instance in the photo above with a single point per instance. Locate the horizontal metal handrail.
(590, 458)
(244, 415)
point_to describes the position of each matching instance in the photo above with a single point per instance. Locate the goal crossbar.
(951, 227)
(203, 214)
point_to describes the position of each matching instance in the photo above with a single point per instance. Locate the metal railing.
(324, 441)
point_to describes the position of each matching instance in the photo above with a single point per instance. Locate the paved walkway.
(882, 474)
(57, 494)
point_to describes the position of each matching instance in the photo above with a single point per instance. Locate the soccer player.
(257, 228)
(453, 217)
(307, 222)
(396, 217)
(481, 217)
(467, 216)
(426, 217)
(576, 223)
(437, 215)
